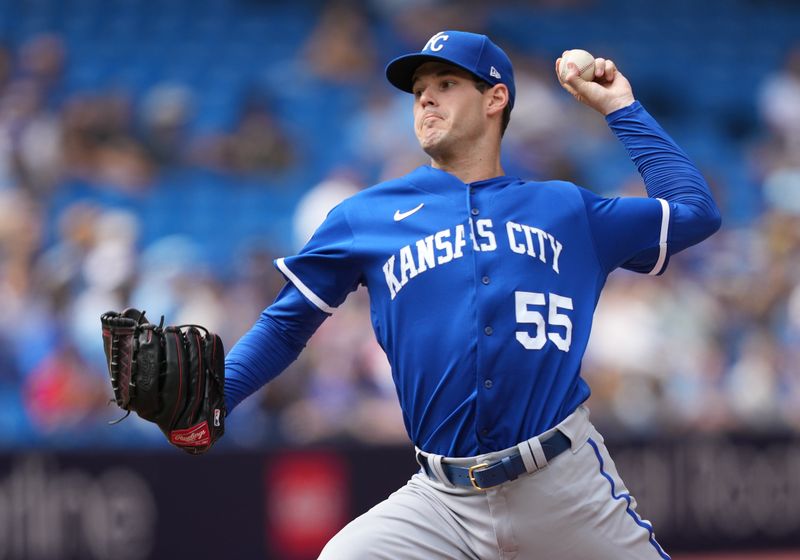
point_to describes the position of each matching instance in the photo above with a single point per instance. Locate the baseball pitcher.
(482, 290)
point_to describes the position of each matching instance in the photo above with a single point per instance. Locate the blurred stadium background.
(161, 154)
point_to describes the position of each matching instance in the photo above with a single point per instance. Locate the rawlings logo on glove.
(196, 437)
(172, 376)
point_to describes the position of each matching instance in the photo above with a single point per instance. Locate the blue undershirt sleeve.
(669, 174)
(641, 234)
(274, 342)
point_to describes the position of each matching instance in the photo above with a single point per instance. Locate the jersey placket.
(477, 197)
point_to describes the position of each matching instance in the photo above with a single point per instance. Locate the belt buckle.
(471, 473)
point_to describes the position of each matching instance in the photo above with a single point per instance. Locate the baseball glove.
(173, 376)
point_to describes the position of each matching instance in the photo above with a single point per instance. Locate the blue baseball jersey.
(482, 294)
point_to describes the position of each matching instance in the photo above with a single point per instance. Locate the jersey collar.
(441, 182)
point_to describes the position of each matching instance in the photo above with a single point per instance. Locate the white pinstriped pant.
(574, 508)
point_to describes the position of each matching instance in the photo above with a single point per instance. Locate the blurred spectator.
(30, 131)
(414, 24)
(20, 235)
(541, 125)
(6, 65)
(778, 156)
(752, 382)
(62, 394)
(24, 325)
(30, 143)
(165, 113)
(58, 271)
(99, 142)
(779, 104)
(318, 201)
(42, 59)
(625, 358)
(380, 138)
(253, 287)
(257, 145)
(172, 264)
(108, 270)
(341, 48)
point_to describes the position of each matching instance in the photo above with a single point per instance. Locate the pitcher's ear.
(498, 98)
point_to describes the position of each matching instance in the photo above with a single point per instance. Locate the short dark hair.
(483, 86)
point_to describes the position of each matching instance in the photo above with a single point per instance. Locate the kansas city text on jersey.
(447, 245)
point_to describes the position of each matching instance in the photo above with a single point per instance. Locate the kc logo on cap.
(472, 52)
(433, 43)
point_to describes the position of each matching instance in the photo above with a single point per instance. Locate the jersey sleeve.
(326, 270)
(629, 232)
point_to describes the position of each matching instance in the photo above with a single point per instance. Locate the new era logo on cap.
(474, 53)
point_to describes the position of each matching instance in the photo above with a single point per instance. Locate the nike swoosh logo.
(398, 215)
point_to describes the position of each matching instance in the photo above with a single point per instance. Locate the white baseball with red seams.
(584, 60)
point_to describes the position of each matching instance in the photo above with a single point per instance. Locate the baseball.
(582, 59)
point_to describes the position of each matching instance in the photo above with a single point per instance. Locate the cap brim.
(400, 71)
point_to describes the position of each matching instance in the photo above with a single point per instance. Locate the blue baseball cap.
(476, 54)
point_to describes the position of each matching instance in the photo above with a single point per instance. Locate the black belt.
(486, 475)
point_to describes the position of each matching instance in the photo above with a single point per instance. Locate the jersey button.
(488, 383)
(485, 432)
(475, 212)
(488, 331)
(485, 280)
